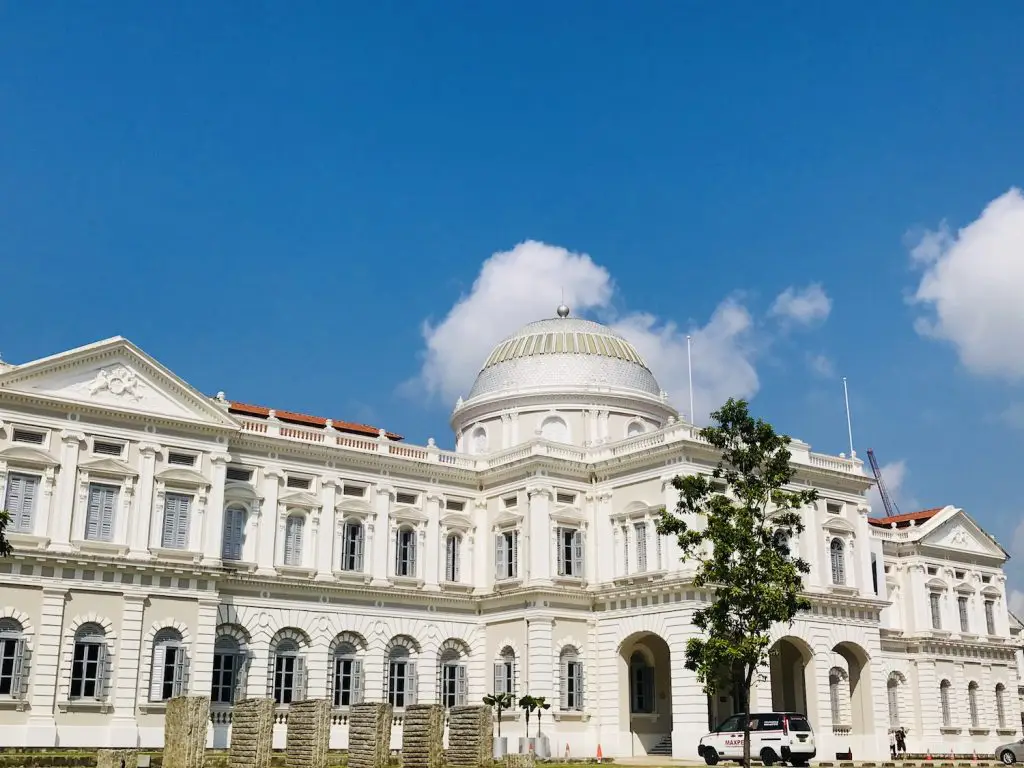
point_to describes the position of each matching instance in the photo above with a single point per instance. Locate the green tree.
(541, 704)
(500, 702)
(739, 535)
(5, 545)
(528, 704)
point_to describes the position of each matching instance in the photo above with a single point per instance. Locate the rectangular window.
(12, 662)
(179, 459)
(564, 497)
(834, 508)
(87, 670)
(348, 682)
(506, 555)
(404, 497)
(640, 529)
(30, 436)
(452, 557)
(224, 673)
(355, 491)
(173, 672)
(405, 553)
(352, 547)
(936, 609)
(570, 552)
(234, 533)
(20, 500)
(572, 698)
(239, 474)
(107, 448)
(289, 679)
(505, 676)
(510, 502)
(299, 483)
(294, 528)
(990, 617)
(453, 685)
(453, 505)
(401, 683)
(177, 511)
(965, 621)
(99, 515)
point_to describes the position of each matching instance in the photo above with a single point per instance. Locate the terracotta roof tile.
(905, 520)
(262, 412)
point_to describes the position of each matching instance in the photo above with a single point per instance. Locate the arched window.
(947, 713)
(892, 689)
(401, 677)
(294, 528)
(229, 663)
(13, 660)
(405, 552)
(641, 684)
(169, 672)
(838, 562)
(89, 663)
(972, 703)
(571, 678)
(1001, 705)
(352, 543)
(234, 533)
(836, 677)
(635, 428)
(554, 429)
(478, 441)
(451, 678)
(505, 672)
(346, 675)
(287, 671)
(453, 545)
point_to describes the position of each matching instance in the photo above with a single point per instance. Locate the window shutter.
(168, 538)
(299, 684)
(19, 674)
(271, 669)
(241, 676)
(560, 547)
(184, 520)
(499, 557)
(334, 668)
(94, 513)
(411, 682)
(180, 672)
(297, 544)
(577, 554)
(499, 678)
(156, 674)
(234, 530)
(565, 671)
(357, 681)
(412, 554)
(515, 555)
(15, 493)
(101, 672)
(579, 685)
(460, 685)
(107, 518)
(398, 552)
(359, 547)
(21, 511)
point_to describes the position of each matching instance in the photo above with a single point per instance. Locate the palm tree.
(500, 702)
(541, 705)
(528, 704)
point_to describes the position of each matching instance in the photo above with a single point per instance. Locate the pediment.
(300, 499)
(839, 524)
(960, 533)
(354, 507)
(457, 522)
(115, 375)
(567, 515)
(107, 466)
(21, 454)
(181, 476)
(239, 491)
(507, 520)
(409, 515)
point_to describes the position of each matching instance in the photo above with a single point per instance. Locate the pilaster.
(540, 637)
(432, 555)
(538, 538)
(864, 553)
(592, 546)
(63, 510)
(123, 727)
(380, 538)
(327, 531)
(201, 678)
(42, 730)
(141, 523)
(268, 521)
(214, 524)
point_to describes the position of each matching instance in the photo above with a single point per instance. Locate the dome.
(564, 354)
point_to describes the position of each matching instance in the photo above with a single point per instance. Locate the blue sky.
(287, 202)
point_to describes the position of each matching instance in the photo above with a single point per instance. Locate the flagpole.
(689, 372)
(849, 423)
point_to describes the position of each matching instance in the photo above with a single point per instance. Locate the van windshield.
(798, 723)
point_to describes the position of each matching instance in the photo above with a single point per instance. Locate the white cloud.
(822, 366)
(894, 473)
(971, 287)
(802, 306)
(521, 285)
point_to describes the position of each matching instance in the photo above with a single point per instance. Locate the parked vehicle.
(774, 737)
(1010, 753)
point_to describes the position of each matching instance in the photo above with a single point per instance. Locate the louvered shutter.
(515, 555)
(334, 687)
(565, 670)
(560, 547)
(14, 494)
(94, 513)
(271, 674)
(107, 514)
(398, 553)
(19, 674)
(577, 554)
(234, 531)
(168, 536)
(412, 554)
(580, 687)
(156, 677)
(101, 672)
(293, 540)
(21, 497)
(460, 685)
(411, 683)
(357, 682)
(181, 669)
(499, 678)
(500, 557)
(358, 536)
(299, 680)
(184, 521)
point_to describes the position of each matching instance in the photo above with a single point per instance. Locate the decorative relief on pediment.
(119, 380)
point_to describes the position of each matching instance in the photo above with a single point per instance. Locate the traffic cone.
(600, 756)
(951, 755)
(928, 756)
(974, 755)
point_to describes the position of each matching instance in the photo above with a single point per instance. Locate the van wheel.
(1008, 757)
(801, 763)
(710, 756)
(768, 757)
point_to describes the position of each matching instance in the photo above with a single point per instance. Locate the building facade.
(170, 543)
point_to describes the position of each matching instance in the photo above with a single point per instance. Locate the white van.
(774, 737)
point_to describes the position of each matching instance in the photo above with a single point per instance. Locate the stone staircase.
(663, 748)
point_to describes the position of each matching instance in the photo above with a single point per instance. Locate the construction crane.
(890, 505)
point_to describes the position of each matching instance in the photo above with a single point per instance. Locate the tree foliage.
(5, 545)
(500, 702)
(739, 535)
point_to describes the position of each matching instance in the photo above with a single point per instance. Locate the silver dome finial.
(563, 310)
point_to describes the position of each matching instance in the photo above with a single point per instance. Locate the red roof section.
(262, 412)
(905, 520)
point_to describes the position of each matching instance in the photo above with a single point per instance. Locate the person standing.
(901, 742)
(892, 744)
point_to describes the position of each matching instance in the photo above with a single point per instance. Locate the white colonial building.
(171, 543)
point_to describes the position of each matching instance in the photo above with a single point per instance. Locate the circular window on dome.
(478, 441)
(635, 428)
(554, 429)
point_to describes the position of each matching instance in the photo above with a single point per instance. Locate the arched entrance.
(791, 662)
(850, 693)
(646, 674)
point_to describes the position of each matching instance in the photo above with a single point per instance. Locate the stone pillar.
(538, 544)
(369, 735)
(380, 567)
(117, 758)
(591, 543)
(864, 555)
(213, 535)
(139, 523)
(268, 522)
(309, 730)
(423, 736)
(41, 730)
(185, 724)
(252, 733)
(432, 556)
(325, 555)
(123, 727)
(201, 657)
(60, 525)
(470, 737)
(540, 639)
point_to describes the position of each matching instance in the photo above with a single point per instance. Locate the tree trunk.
(748, 679)
(499, 722)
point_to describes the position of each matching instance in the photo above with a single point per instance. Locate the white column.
(201, 658)
(540, 636)
(67, 485)
(538, 538)
(864, 554)
(213, 534)
(432, 541)
(123, 727)
(381, 542)
(140, 523)
(671, 556)
(591, 543)
(41, 730)
(483, 568)
(268, 521)
(602, 426)
(326, 533)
